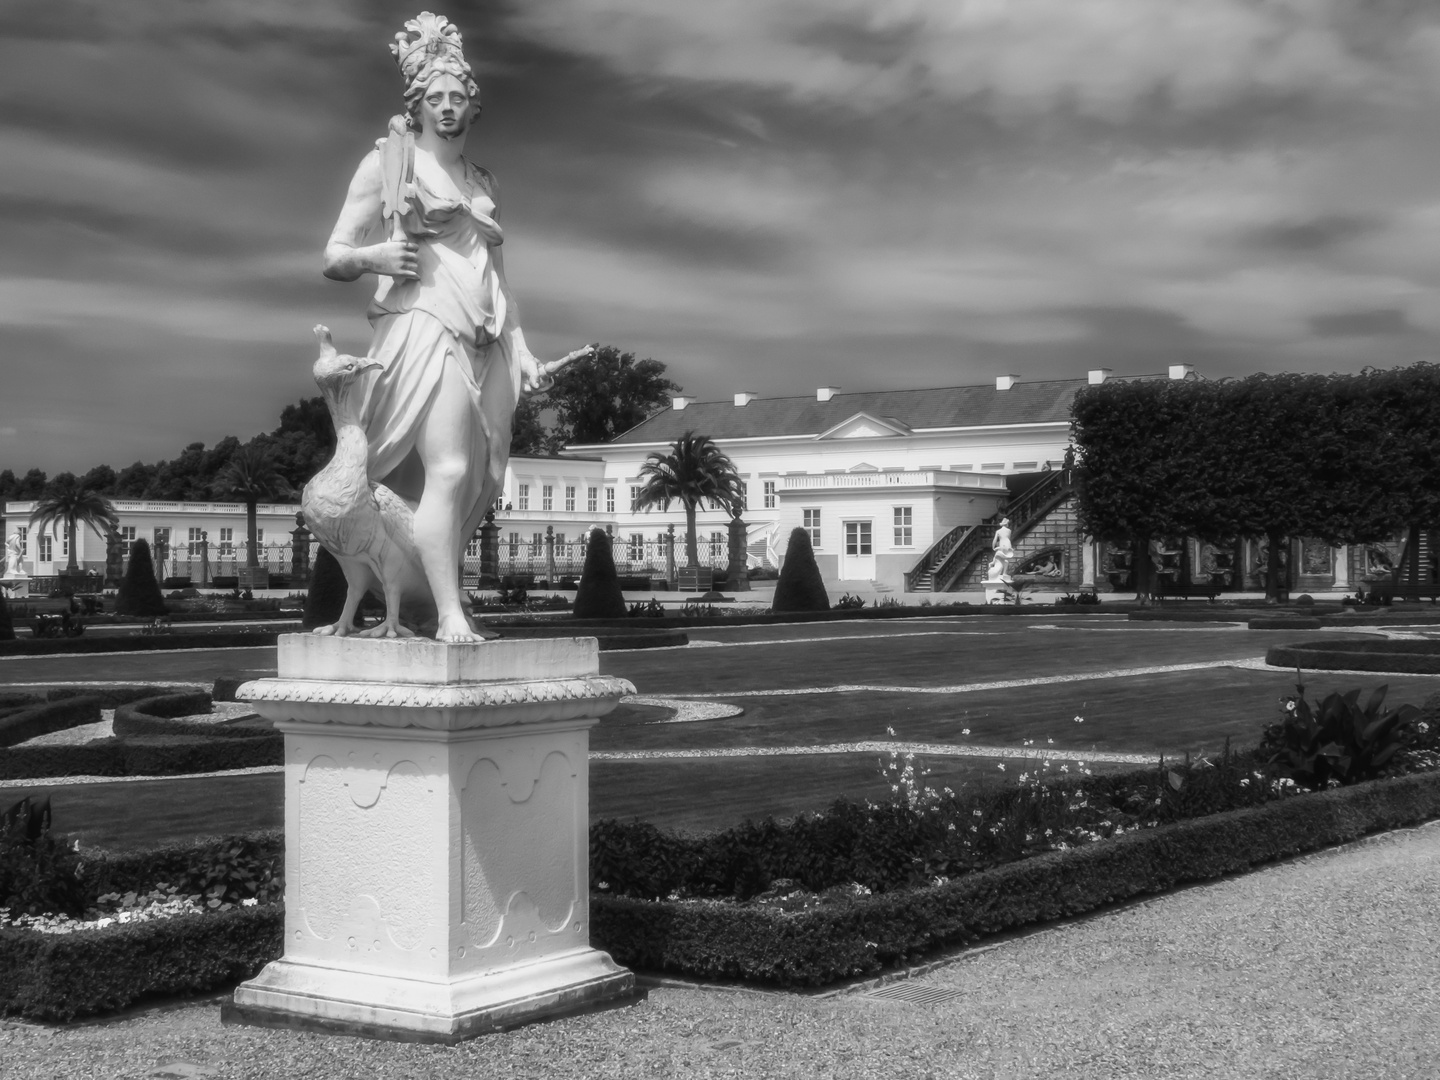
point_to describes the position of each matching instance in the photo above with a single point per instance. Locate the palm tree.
(66, 500)
(251, 474)
(694, 469)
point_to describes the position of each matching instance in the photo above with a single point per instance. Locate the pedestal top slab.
(421, 661)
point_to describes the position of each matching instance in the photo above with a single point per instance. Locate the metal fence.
(539, 557)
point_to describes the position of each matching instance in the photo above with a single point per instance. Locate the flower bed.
(866, 934)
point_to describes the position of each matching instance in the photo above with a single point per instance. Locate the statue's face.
(445, 108)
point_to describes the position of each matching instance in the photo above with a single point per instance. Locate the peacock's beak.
(371, 365)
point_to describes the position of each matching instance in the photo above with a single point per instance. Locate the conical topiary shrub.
(599, 596)
(139, 593)
(800, 587)
(326, 598)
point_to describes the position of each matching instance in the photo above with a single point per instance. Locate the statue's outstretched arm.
(347, 256)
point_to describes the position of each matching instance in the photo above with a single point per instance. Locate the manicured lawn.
(1169, 712)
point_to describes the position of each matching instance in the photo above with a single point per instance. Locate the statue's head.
(440, 91)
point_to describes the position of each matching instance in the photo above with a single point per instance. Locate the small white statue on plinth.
(997, 578)
(13, 571)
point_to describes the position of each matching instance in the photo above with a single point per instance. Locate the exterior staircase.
(946, 562)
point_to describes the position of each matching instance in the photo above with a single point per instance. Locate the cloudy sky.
(766, 195)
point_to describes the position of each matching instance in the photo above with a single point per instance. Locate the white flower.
(249, 903)
(965, 731)
(1079, 719)
(1001, 766)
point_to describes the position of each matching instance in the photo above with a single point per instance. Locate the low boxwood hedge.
(217, 639)
(715, 939)
(63, 976)
(66, 707)
(1406, 656)
(149, 742)
(59, 977)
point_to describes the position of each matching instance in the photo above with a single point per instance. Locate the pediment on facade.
(865, 426)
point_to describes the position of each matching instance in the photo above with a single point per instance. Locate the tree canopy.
(67, 501)
(695, 469)
(604, 395)
(1345, 458)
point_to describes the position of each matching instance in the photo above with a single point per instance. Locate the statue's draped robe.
(453, 315)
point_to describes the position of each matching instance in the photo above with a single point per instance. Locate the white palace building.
(898, 489)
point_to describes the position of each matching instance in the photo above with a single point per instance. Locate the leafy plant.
(647, 609)
(1338, 741)
(38, 873)
(847, 602)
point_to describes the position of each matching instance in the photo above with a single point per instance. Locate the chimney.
(1099, 375)
(679, 401)
(744, 398)
(1005, 382)
(1179, 371)
(825, 393)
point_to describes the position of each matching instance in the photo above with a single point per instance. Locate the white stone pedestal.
(437, 836)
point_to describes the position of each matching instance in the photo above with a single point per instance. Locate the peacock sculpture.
(367, 527)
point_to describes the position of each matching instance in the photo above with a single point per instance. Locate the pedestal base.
(310, 998)
(436, 836)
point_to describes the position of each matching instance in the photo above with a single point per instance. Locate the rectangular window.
(857, 538)
(559, 541)
(472, 549)
(812, 526)
(634, 497)
(24, 534)
(523, 499)
(547, 497)
(227, 541)
(537, 541)
(592, 500)
(904, 535)
(259, 537)
(609, 500)
(193, 541)
(637, 547)
(717, 545)
(770, 494)
(570, 497)
(127, 533)
(65, 543)
(162, 543)
(514, 544)
(46, 555)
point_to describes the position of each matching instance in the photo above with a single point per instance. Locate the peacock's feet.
(458, 628)
(338, 629)
(387, 629)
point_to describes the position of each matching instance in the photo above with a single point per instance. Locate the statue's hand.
(398, 258)
(536, 377)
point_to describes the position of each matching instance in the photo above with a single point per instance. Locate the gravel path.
(1320, 967)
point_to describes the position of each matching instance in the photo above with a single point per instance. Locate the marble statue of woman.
(452, 358)
(1004, 553)
(12, 567)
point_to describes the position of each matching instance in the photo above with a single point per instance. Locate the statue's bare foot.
(458, 628)
(339, 629)
(388, 629)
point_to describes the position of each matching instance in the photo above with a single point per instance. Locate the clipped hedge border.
(66, 707)
(224, 639)
(811, 948)
(162, 715)
(150, 744)
(59, 977)
(1359, 654)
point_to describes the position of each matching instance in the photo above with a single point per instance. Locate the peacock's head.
(336, 372)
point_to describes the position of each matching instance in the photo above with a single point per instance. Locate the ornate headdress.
(430, 45)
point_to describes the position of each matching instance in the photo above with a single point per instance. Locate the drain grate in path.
(915, 993)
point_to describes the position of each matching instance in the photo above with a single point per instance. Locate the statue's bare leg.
(445, 442)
